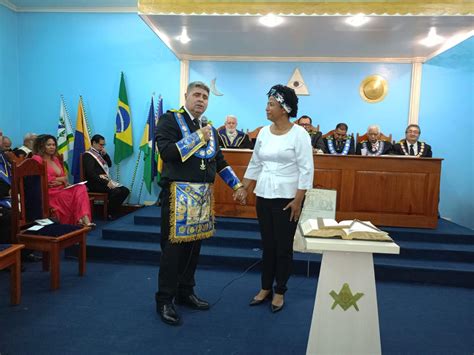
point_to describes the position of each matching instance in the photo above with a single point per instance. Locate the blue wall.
(446, 119)
(333, 87)
(9, 90)
(83, 54)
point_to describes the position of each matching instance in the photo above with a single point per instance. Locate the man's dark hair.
(413, 125)
(96, 138)
(305, 116)
(342, 126)
(197, 84)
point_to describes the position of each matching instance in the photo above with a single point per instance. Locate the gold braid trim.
(306, 7)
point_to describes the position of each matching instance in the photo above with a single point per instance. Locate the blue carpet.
(442, 256)
(111, 311)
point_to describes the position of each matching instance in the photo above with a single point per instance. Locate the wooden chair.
(30, 202)
(253, 134)
(96, 196)
(330, 133)
(11, 257)
(383, 137)
(13, 158)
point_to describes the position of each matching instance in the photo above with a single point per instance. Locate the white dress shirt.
(196, 121)
(281, 164)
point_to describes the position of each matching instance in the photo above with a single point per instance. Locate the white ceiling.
(307, 37)
(299, 38)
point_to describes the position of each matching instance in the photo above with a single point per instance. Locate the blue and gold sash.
(5, 176)
(191, 211)
(192, 143)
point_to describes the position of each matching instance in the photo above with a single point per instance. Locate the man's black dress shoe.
(168, 314)
(192, 301)
(255, 302)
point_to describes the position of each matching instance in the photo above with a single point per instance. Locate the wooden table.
(388, 190)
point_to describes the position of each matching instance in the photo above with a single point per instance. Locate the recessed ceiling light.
(183, 37)
(432, 39)
(357, 20)
(271, 20)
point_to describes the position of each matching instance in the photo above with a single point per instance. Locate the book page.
(79, 183)
(318, 203)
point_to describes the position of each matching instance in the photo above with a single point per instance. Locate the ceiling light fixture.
(432, 39)
(357, 20)
(271, 20)
(183, 37)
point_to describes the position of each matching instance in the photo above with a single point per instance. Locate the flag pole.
(67, 111)
(134, 175)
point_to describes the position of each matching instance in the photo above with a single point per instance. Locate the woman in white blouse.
(282, 166)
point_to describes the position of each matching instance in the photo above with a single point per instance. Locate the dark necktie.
(412, 152)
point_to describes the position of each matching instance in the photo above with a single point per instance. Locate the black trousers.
(277, 238)
(5, 226)
(116, 198)
(178, 261)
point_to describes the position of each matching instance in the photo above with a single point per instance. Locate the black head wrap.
(286, 97)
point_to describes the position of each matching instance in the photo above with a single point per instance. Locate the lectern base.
(344, 276)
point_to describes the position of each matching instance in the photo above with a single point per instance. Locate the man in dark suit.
(191, 159)
(316, 136)
(411, 146)
(373, 145)
(5, 200)
(96, 163)
(231, 137)
(26, 150)
(340, 143)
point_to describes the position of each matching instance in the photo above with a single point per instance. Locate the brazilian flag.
(123, 126)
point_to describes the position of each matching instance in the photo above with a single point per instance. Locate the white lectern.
(345, 317)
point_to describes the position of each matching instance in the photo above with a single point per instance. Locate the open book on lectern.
(348, 230)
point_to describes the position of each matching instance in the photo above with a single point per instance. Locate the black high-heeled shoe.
(276, 308)
(255, 302)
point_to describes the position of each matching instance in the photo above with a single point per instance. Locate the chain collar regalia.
(370, 152)
(345, 151)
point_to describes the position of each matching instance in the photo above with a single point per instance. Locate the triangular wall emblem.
(297, 83)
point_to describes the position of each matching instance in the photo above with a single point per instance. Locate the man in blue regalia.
(340, 143)
(191, 158)
(5, 200)
(231, 137)
(373, 145)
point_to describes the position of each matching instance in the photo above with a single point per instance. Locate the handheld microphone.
(203, 121)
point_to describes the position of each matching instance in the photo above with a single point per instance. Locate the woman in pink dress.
(71, 206)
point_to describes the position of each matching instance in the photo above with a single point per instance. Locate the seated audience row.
(337, 142)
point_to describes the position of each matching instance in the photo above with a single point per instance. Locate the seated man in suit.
(316, 136)
(411, 145)
(339, 143)
(26, 150)
(96, 164)
(7, 144)
(5, 200)
(373, 145)
(230, 137)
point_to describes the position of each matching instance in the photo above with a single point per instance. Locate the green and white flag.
(65, 135)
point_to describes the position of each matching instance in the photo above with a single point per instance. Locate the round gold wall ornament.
(373, 89)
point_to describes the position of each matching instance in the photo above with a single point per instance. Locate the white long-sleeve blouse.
(281, 164)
